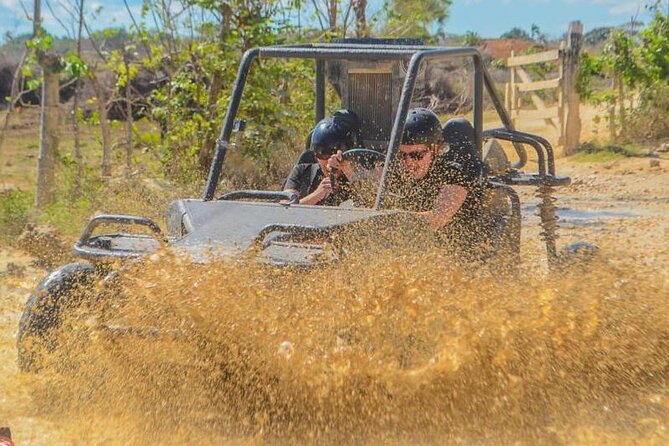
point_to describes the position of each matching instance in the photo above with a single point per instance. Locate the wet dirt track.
(398, 350)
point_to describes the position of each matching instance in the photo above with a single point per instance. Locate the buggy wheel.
(59, 293)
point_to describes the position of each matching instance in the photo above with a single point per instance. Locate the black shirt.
(421, 195)
(305, 178)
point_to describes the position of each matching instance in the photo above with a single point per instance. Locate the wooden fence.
(564, 114)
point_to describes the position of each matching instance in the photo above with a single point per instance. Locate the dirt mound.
(45, 244)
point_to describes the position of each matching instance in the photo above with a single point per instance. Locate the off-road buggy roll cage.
(403, 50)
(415, 54)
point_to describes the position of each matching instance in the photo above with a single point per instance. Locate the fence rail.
(564, 115)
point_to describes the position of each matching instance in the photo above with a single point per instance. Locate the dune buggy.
(374, 78)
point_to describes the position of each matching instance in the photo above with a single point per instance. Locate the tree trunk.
(76, 152)
(208, 145)
(101, 103)
(573, 118)
(621, 105)
(48, 149)
(612, 113)
(75, 113)
(128, 118)
(333, 16)
(360, 8)
(207, 150)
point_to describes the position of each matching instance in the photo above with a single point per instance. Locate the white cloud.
(627, 8)
(11, 4)
(622, 7)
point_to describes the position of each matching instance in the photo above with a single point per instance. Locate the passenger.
(313, 182)
(345, 118)
(425, 181)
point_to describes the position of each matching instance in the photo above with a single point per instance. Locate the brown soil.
(502, 48)
(622, 207)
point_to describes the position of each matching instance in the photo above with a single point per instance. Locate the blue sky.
(489, 18)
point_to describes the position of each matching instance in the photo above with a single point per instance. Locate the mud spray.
(393, 348)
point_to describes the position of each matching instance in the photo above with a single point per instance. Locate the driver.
(425, 181)
(313, 182)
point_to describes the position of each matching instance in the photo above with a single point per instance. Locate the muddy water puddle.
(583, 215)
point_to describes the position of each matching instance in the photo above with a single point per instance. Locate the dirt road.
(622, 206)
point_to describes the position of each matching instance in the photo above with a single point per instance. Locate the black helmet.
(329, 136)
(422, 127)
(459, 132)
(349, 120)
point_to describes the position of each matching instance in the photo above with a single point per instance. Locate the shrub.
(648, 121)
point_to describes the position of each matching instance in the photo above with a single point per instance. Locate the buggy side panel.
(233, 226)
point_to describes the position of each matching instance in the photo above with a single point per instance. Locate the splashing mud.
(395, 348)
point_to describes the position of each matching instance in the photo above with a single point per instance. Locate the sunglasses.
(414, 156)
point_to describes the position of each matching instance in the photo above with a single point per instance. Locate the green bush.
(648, 121)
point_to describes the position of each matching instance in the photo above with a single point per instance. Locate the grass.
(594, 153)
(15, 207)
(76, 201)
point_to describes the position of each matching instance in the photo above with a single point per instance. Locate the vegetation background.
(140, 108)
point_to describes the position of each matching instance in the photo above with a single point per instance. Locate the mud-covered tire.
(62, 290)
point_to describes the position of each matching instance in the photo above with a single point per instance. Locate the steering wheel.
(367, 160)
(364, 157)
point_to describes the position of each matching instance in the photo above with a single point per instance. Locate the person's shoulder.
(455, 172)
(304, 167)
(300, 173)
(444, 164)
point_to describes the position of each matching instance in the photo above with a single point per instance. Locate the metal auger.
(549, 222)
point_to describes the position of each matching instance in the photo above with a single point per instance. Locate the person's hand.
(336, 163)
(324, 189)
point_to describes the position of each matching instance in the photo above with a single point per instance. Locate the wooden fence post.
(571, 60)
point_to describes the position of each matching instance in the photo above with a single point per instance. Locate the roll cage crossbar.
(415, 54)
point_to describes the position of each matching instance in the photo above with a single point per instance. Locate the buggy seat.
(501, 208)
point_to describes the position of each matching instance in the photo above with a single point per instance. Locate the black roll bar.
(224, 140)
(82, 248)
(357, 51)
